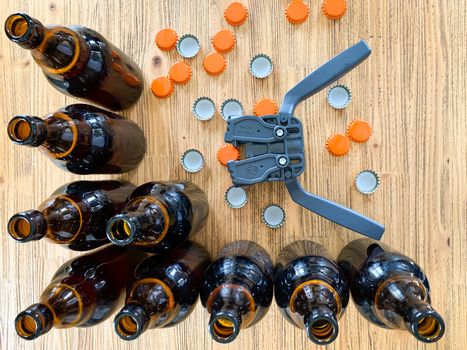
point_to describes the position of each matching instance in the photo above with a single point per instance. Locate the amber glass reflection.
(159, 216)
(165, 291)
(311, 290)
(83, 139)
(74, 216)
(79, 62)
(390, 289)
(237, 289)
(83, 292)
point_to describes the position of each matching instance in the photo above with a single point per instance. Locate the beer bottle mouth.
(131, 321)
(121, 230)
(224, 328)
(428, 328)
(127, 327)
(20, 130)
(18, 26)
(322, 331)
(27, 326)
(27, 226)
(19, 227)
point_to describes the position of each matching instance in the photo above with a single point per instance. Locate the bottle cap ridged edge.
(259, 56)
(348, 92)
(183, 37)
(202, 98)
(263, 219)
(232, 205)
(363, 191)
(182, 158)
(227, 101)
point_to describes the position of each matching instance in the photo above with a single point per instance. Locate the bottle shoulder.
(307, 268)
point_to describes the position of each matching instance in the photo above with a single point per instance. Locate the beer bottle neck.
(131, 321)
(404, 302)
(35, 321)
(321, 325)
(25, 31)
(27, 130)
(27, 226)
(147, 225)
(232, 307)
(149, 300)
(320, 304)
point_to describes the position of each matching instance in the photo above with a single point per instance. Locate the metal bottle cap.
(261, 66)
(188, 46)
(192, 161)
(273, 216)
(367, 181)
(231, 107)
(204, 108)
(339, 96)
(236, 197)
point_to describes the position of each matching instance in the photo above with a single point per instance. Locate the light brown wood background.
(412, 90)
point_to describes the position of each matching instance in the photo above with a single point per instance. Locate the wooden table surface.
(412, 90)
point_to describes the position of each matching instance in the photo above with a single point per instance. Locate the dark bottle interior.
(390, 289)
(159, 216)
(83, 139)
(83, 292)
(79, 62)
(165, 291)
(237, 289)
(311, 290)
(75, 215)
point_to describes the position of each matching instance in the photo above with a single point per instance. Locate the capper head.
(274, 145)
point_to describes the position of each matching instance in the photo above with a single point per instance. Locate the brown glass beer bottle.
(311, 290)
(83, 292)
(75, 215)
(83, 139)
(79, 62)
(159, 216)
(237, 289)
(390, 290)
(165, 291)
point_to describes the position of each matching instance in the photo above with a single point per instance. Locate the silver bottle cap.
(188, 46)
(236, 197)
(261, 66)
(192, 161)
(273, 216)
(367, 181)
(231, 107)
(339, 96)
(204, 108)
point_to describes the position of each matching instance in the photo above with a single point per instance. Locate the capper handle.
(325, 75)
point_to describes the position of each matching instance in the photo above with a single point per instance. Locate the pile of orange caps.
(179, 73)
(297, 11)
(357, 131)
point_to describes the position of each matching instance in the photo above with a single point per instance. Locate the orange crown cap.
(236, 13)
(162, 87)
(166, 39)
(297, 11)
(338, 144)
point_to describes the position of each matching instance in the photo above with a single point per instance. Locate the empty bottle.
(79, 62)
(311, 290)
(75, 215)
(165, 291)
(83, 292)
(83, 139)
(390, 289)
(159, 216)
(237, 289)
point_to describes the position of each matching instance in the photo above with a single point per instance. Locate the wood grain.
(412, 90)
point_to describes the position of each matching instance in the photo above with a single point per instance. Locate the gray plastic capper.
(274, 145)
